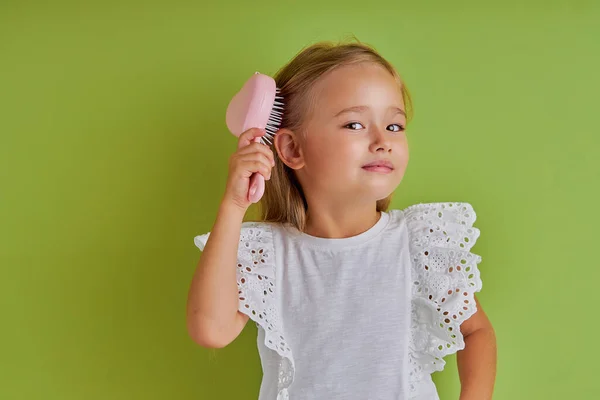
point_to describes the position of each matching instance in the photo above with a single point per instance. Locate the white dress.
(365, 317)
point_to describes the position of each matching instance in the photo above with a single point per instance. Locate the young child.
(351, 300)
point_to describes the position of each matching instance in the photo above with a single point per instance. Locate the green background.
(114, 151)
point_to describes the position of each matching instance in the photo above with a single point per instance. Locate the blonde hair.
(283, 200)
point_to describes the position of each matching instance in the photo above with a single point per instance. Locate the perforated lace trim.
(255, 275)
(445, 279)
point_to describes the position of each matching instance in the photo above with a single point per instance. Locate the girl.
(351, 300)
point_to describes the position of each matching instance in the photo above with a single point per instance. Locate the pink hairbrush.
(256, 105)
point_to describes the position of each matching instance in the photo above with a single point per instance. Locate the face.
(354, 146)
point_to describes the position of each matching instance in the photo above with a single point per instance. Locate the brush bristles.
(274, 121)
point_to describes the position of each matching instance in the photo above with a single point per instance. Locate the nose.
(380, 142)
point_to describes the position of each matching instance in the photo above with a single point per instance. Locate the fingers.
(252, 156)
(258, 148)
(249, 136)
(257, 166)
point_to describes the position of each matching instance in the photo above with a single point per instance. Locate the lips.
(379, 165)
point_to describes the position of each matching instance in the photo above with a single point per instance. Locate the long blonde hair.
(284, 200)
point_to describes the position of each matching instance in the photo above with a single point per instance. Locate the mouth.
(382, 166)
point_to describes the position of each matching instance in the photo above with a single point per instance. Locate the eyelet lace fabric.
(444, 276)
(445, 279)
(255, 274)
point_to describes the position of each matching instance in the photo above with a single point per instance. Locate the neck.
(340, 221)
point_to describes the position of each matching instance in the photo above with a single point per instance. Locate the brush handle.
(251, 108)
(257, 183)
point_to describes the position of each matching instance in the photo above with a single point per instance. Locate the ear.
(287, 144)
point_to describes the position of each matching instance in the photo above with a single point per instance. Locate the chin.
(378, 193)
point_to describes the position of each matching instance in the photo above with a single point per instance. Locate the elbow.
(205, 336)
(208, 342)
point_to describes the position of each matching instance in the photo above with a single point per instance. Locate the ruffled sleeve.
(257, 291)
(445, 278)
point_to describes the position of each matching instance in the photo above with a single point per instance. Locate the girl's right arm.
(213, 319)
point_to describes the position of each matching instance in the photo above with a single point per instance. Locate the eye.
(352, 125)
(398, 128)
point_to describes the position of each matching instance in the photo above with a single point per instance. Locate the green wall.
(113, 156)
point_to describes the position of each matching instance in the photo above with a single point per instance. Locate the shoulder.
(449, 221)
(257, 231)
(457, 212)
(250, 232)
(441, 236)
(255, 251)
(445, 278)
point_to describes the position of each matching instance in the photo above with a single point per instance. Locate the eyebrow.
(360, 109)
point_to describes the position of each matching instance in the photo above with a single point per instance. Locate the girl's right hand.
(250, 158)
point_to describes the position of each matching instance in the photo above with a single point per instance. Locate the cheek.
(332, 152)
(403, 157)
(323, 148)
(401, 147)
(342, 153)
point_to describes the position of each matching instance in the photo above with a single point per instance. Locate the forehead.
(367, 84)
